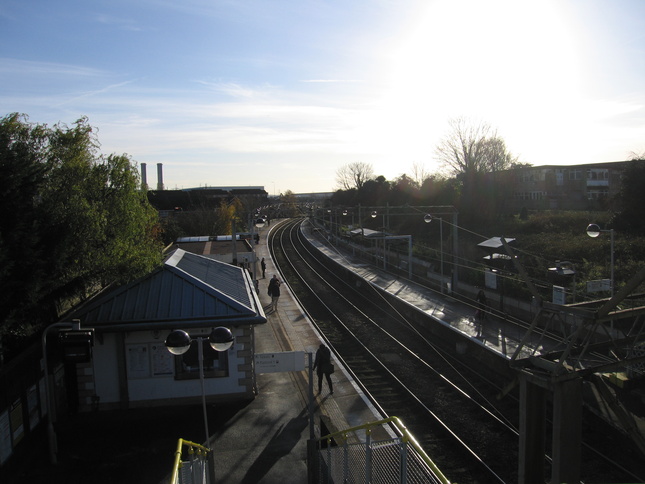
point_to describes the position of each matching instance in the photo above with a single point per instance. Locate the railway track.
(400, 369)
(452, 410)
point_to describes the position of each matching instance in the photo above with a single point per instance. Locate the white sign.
(490, 279)
(559, 295)
(279, 362)
(599, 285)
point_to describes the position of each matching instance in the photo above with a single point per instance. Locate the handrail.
(177, 464)
(405, 434)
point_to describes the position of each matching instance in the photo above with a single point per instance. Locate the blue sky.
(283, 93)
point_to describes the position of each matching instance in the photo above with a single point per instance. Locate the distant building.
(558, 187)
(186, 200)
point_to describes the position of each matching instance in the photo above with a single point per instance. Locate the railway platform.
(494, 334)
(267, 440)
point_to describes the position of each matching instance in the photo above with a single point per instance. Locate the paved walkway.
(266, 442)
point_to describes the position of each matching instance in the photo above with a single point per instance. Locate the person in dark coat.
(323, 366)
(264, 268)
(274, 291)
(482, 305)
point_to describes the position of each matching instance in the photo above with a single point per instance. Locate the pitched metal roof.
(368, 233)
(187, 287)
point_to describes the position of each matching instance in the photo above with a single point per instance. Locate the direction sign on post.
(599, 285)
(279, 362)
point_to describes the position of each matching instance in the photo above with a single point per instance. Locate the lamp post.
(593, 231)
(373, 215)
(77, 344)
(427, 219)
(178, 342)
(259, 222)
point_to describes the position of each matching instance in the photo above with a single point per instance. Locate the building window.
(597, 174)
(575, 175)
(215, 362)
(596, 194)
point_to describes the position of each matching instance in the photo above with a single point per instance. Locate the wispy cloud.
(94, 92)
(333, 81)
(231, 89)
(26, 68)
(120, 23)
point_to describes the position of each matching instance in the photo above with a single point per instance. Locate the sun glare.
(489, 61)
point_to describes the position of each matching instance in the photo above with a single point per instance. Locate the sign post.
(289, 361)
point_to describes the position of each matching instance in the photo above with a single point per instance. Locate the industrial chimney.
(144, 177)
(159, 176)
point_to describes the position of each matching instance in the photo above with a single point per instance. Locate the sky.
(283, 93)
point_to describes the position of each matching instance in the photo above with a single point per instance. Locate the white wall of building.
(106, 369)
(150, 369)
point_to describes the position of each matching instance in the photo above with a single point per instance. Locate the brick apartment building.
(558, 187)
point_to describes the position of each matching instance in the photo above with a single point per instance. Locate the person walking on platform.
(264, 268)
(324, 366)
(274, 291)
(482, 305)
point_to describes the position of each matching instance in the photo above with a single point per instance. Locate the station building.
(131, 366)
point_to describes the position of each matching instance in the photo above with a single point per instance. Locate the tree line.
(472, 158)
(73, 220)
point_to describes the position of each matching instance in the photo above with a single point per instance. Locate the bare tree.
(633, 156)
(472, 148)
(419, 174)
(354, 175)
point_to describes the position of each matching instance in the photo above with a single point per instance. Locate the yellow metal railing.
(404, 434)
(195, 451)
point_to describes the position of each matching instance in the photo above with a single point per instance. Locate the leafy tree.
(374, 192)
(354, 175)
(78, 221)
(23, 250)
(288, 203)
(439, 190)
(404, 190)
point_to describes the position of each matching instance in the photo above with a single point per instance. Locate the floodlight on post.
(221, 339)
(178, 342)
(427, 218)
(593, 231)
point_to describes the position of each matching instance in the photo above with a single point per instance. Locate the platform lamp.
(258, 223)
(178, 342)
(374, 215)
(427, 218)
(593, 231)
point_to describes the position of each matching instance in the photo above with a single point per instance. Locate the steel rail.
(293, 228)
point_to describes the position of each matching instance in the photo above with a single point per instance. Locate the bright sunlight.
(486, 61)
